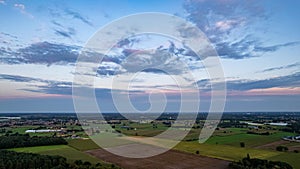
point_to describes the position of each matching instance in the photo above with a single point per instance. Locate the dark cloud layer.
(48, 53)
(292, 80)
(65, 88)
(16, 78)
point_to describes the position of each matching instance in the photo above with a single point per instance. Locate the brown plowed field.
(169, 160)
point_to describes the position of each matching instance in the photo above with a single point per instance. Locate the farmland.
(231, 141)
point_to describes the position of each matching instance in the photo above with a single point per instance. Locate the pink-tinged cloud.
(229, 24)
(22, 9)
(269, 91)
(34, 95)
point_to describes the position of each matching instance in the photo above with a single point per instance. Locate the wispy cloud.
(275, 47)
(60, 88)
(77, 15)
(57, 24)
(225, 25)
(22, 9)
(17, 78)
(2, 2)
(297, 64)
(220, 20)
(47, 86)
(65, 33)
(60, 30)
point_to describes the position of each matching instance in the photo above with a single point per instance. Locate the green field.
(290, 157)
(223, 151)
(83, 145)
(235, 153)
(236, 136)
(142, 129)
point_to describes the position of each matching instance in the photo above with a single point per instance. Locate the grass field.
(290, 157)
(63, 150)
(223, 151)
(82, 145)
(142, 129)
(233, 153)
(251, 140)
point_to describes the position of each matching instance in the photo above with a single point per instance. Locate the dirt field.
(273, 145)
(170, 160)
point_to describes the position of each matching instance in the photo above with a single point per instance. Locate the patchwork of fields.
(224, 144)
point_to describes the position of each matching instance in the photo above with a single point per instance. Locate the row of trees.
(24, 140)
(258, 164)
(17, 160)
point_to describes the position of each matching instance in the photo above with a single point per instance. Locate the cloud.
(288, 81)
(124, 59)
(17, 78)
(65, 33)
(292, 80)
(20, 6)
(48, 86)
(48, 53)
(297, 64)
(22, 9)
(57, 24)
(221, 20)
(170, 60)
(206, 13)
(78, 16)
(60, 30)
(275, 47)
(61, 87)
(228, 24)
(2, 2)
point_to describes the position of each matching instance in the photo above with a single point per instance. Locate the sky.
(258, 44)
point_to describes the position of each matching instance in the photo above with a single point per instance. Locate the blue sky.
(258, 43)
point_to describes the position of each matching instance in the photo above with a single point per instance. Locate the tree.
(242, 144)
(78, 162)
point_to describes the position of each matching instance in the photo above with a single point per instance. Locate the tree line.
(256, 163)
(24, 140)
(18, 160)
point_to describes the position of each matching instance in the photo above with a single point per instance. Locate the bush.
(281, 148)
